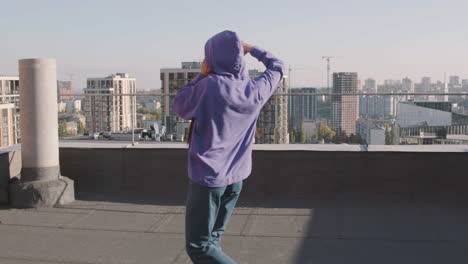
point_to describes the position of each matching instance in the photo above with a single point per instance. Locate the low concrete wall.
(280, 173)
(10, 166)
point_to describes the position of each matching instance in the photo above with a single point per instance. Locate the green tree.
(62, 128)
(292, 136)
(355, 139)
(156, 114)
(393, 134)
(390, 134)
(80, 127)
(341, 138)
(302, 137)
(325, 133)
(143, 110)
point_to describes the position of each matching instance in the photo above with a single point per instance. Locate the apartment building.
(272, 123)
(9, 91)
(345, 108)
(112, 109)
(172, 80)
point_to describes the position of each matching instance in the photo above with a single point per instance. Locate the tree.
(355, 139)
(390, 134)
(341, 138)
(80, 127)
(325, 133)
(156, 114)
(62, 128)
(302, 137)
(393, 134)
(143, 110)
(292, 136)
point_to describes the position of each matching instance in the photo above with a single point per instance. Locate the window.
(5, 141)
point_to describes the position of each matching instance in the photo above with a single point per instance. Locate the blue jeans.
(207, 212)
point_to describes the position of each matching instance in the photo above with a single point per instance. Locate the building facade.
(345, 108)
(272, 122)
(9, 94)
(370, 86)
(64, 90)
(109, 110)
(376, 106)
(302, 108)
(7, 135)
(370, 132)
(172, 80)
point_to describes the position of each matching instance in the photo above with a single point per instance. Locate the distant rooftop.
(113, 76)
(186, 65)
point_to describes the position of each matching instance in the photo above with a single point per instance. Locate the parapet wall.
(278, 173)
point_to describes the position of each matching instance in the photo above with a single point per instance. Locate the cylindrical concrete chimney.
(40, 183)
(38, 115)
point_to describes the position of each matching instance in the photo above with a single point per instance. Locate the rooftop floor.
(131, 228)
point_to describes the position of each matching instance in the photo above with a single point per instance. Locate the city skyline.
(91, 39)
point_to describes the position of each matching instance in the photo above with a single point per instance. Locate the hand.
(247, 47)
(205, 70)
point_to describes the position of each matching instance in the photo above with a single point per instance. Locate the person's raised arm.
(187, 99)
(266, 83)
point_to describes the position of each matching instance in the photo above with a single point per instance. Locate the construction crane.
(328, 58)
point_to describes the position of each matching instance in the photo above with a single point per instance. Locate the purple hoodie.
(225, 106)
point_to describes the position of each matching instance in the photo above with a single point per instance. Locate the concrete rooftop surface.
(136, 228)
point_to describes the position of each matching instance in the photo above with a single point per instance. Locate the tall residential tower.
(345, 108)
(109, 110)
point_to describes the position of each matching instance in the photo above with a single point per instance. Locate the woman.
(224, 104)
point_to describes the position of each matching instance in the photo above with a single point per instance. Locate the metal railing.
(279, 121)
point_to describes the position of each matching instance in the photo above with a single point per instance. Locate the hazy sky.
(379, 39)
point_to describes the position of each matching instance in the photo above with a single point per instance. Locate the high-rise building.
(109, 110)
(302, 108)
(390, 86)
(425, 85)
(454, 80)
(345, 108)
(172, 80)
(370, 86)
(64, 90)
(376, 106)
(465, 83)
(272, 123)
(407, 85)
(9, 91)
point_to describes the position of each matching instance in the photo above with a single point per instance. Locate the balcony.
(302, 204)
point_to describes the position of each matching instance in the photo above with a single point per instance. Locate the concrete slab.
(24, 261)
(101, 220)
(410, 221)
(125, 207)
(87, 246)
(383, 230)
(321, 222)
(37, 218)
(355, 251)
(175, 223)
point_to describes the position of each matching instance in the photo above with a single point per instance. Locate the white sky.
(378, 39)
